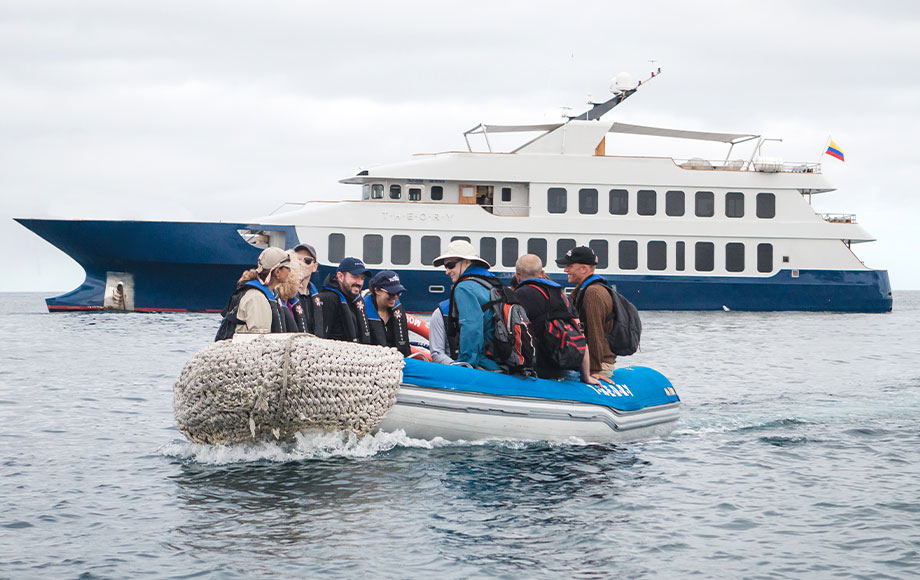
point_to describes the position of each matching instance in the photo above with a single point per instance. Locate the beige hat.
(271, 258)
(462, 250)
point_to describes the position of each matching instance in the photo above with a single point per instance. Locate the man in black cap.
(344, 317)
(594, 305)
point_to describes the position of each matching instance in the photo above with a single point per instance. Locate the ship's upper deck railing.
(839, 218)
(763, 165)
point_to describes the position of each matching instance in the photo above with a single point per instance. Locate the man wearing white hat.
(468, 328)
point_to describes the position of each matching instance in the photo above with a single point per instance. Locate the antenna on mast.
(622, 86)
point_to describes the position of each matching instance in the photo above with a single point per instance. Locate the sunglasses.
(308, 261)
(451, 265)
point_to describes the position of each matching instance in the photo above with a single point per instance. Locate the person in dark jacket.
(307, 306)
(385, 315)
(343, 309)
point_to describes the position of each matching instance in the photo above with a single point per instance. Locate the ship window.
(556, 200)
(674, 203)
(646, 202)
(600, 250)
(487, 250)
(437, 193)
(377, 191)
(705, 261)
(464, 238)
(657, 255)
(373, 248)
(537, 246)
(766, 206)
(366, 191)
(679, 257)
(395, 191)
(415, 194)
(509, 251)
(400, 249)
(764, 257)
(431, 248)
(563, 245)
(587, 201)
(705, 204)
(506, 194)
(336, 248)
(734, 204)
(734, 257)
(629, 255)
(619, 201)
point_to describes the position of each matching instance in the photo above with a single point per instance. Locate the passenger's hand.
(600, 379)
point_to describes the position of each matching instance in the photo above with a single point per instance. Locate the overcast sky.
(208, 110)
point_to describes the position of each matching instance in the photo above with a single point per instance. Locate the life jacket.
(308, 312)
(624, 338)
(511, 345)
(561, 344)
(394, 333)
(349, 313)
(230, 320)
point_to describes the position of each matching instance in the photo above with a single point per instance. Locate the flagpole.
(824, 149)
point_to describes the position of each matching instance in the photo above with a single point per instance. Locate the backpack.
(229, 323)
(512, 344)
(627, 327)
(563, 342)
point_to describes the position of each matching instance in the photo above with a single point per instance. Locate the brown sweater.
(597, 305)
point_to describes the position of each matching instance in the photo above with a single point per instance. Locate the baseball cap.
(306, 247)
(579, 255)
(353, 266)
(388, 281)
(271, 258)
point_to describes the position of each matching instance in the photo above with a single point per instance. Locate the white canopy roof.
(623, 128)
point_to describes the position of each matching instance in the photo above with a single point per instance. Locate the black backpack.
(627, 327)
(230, 321)
(563, 342)
(512, 344)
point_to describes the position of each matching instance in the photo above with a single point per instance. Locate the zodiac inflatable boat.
(455, 402)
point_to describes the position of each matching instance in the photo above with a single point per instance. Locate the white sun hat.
(461, 250)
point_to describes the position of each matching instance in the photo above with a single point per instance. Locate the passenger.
(259, 312)
(307, 305)
(287, 295)
(540, 297)
(343, 309)
(385, 315)
(468, 328)
(594, 305)
(437, 336)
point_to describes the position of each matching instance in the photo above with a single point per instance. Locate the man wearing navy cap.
(385, 315)
(344, 317)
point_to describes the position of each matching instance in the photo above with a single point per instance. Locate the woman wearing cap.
(257, 309)
(385, 315)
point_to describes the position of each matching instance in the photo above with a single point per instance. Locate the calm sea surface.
(797, 455)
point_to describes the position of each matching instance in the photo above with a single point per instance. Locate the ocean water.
(797, 455)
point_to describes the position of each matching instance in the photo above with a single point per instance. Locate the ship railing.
(839, 218)
(768, 166)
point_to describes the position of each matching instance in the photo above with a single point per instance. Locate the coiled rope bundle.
(275, 385)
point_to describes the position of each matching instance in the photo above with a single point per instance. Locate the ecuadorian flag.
(834, 150)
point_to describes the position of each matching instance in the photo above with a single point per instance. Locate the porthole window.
(765, 258)
(336, 248)
(705, 256)
(487, 250)
(415, 194)
(705, 204)
(629, 255)
(646, 202)
(600, 250)
(366, 191)
(734, 204)
(377, 191)
(619, 202)
(395, 191)
(400, 250)
(373, 249)
(509, 252)
(674, 203)
(556, 200)
(734, 257)
(537, 246)
(587, 201)
(431, 249)
(437, 193)
(766, 205)
(657, 255)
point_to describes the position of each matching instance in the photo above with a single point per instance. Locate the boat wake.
(320, 446)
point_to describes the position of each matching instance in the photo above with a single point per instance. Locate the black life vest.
(395, 332)
(343, 318)
(308, 312)
(561, 343)
(230, 319)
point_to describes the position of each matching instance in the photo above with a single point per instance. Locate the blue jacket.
(475, 325)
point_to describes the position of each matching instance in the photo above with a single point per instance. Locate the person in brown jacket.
(594, 304)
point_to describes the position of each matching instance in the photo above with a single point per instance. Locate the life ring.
(417, 325)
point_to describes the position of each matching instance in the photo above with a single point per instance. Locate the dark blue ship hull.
(194, 266)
